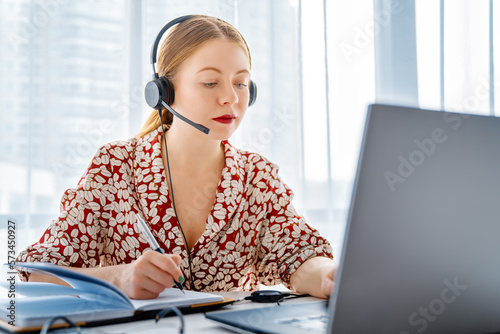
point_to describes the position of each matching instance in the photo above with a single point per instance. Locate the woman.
(252, 235)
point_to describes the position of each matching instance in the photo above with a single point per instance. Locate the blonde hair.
(180, 43)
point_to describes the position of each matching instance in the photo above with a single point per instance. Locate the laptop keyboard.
(315, 323)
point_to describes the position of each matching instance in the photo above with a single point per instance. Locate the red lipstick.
(225, 119)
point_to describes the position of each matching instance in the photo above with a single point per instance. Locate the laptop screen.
(422, 246)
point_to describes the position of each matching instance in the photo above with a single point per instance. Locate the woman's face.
(212, 87)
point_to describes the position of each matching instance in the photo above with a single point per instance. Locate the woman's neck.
(193, 152)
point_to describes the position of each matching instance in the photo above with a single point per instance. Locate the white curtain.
(72, 75)
(458, 43)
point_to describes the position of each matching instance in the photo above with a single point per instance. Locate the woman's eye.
(241, 85)
(209, 84)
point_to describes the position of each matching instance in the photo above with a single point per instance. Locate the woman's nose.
(228, 95)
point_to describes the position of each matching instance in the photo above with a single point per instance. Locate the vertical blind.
(72, 76)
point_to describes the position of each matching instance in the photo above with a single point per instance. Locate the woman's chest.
(193, 201)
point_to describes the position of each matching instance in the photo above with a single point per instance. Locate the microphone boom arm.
(199, 127)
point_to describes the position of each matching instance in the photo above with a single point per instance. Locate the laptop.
(421, 252)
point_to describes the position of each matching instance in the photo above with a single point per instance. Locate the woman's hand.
(316, 277)
(147, 277)
(328, 279)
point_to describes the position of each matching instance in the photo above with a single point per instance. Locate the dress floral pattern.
(253, 234)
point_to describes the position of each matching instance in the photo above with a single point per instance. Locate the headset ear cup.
(152, 92)
(253, 93)
(167, 91)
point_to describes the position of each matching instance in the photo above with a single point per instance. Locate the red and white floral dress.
(253, 234)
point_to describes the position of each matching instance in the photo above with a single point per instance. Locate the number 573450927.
(11, 244)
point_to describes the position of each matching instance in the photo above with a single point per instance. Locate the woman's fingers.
(167, 265)
(328, 281)
(151, 274)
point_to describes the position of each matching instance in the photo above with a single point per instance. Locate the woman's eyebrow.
(219, 71)
(243, 71)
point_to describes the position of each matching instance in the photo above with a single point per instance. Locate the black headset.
(160, 89)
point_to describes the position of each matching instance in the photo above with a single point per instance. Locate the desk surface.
(194, 323)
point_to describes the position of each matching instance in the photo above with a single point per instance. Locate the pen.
(152, 242)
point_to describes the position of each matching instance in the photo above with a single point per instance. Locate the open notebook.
(90, 299)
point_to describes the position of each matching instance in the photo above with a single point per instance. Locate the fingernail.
(181, 279)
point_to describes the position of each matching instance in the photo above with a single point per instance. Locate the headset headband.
(154, 49)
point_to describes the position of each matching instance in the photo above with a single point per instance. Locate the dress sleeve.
(286, 240)
(77, 237)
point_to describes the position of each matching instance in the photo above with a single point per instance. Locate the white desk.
(195, 323)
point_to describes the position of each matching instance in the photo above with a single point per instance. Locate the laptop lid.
(422, 245)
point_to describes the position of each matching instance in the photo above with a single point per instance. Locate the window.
(73, 73)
